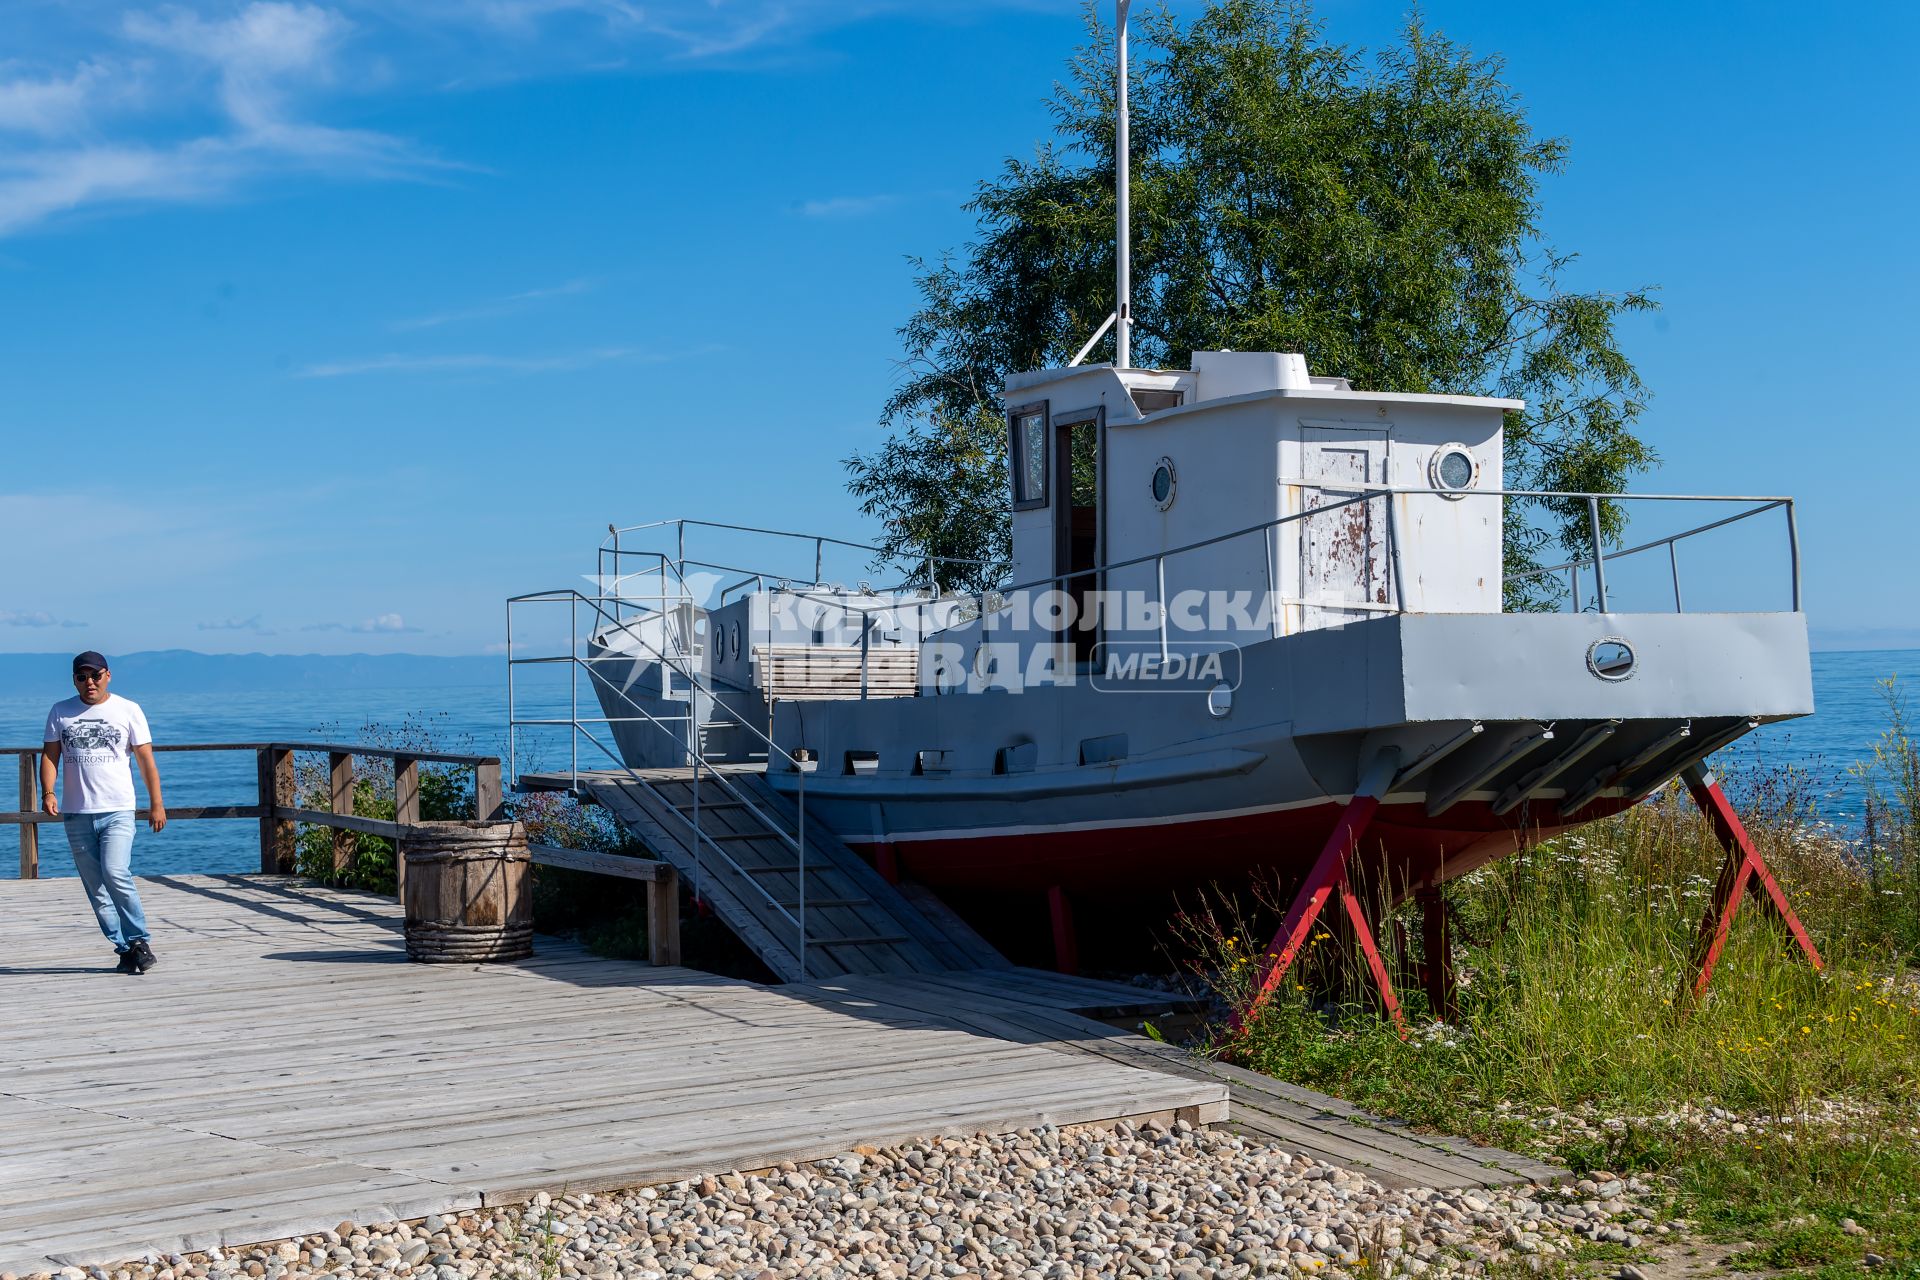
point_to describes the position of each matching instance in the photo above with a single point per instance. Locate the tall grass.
(1890, 841)
(1571, 959)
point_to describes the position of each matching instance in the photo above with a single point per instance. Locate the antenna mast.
(1123, 256)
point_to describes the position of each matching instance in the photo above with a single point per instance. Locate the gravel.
(1038, 1204)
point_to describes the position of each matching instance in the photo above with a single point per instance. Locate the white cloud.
(258, 52)
(496, 307)
(846, 206)
(108, 104)
(384, 624)
(476, 362)
(252, 624)
(54, 105)
(36, 618)
(257, 63)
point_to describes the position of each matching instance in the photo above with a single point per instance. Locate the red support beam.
(1364, 933)
(1329, 874)
(1743, 863)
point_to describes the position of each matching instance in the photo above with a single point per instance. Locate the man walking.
(89, 739)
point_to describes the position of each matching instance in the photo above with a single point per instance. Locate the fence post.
(340, 800)
(29, 830)
(1599, 569)
(663, 917)
(487, 806)
(275, 772)
(406, 812)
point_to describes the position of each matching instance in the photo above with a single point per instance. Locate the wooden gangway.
(743, 862)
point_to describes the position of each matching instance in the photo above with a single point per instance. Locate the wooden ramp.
(744, 865)
(286, 1067)
(1024, 1006)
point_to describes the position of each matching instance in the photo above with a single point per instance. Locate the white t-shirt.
(95, 746)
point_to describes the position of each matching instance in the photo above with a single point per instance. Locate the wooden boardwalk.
(285, 1067)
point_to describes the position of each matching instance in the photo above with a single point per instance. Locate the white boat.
(1259, 623)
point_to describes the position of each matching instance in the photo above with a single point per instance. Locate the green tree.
(1379, 214)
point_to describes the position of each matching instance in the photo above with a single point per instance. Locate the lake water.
(472, 720)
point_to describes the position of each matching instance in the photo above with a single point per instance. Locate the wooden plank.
(487, 804)
(378, 753)
(340, 803)
(339, 822)
(406, 812)
(663, 918)
(274, 772)
(967, 946)
(29, 802)
(606, 864)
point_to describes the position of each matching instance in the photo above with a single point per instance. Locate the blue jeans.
(102, 845)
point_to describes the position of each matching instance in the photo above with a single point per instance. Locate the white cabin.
(1132, 467)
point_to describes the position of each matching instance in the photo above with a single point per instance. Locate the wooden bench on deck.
(804, 671)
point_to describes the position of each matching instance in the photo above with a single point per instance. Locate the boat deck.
(285, 1067)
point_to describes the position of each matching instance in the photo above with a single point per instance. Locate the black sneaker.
(129, 962)
(142, 956)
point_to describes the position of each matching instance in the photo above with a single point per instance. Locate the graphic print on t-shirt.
(91, 736)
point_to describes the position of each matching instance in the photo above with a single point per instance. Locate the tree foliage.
(1378, 213)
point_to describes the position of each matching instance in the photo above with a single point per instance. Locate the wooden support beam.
(1436, 927)
(1066, 944)
(1742, 863)
(406, 812)
(663, 917)
(487, 805)
(29, 803)
(340, 802)
(663, 890)
(275, 774)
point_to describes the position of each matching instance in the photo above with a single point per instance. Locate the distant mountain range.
(185, 671)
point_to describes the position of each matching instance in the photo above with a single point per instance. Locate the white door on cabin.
(1343, 553)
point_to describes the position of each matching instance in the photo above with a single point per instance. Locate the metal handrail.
(682, 521)
(680, 525)
(1364, 492)
(1370, 491)
(797, 841)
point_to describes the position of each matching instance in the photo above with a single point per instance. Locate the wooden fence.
(277, 809)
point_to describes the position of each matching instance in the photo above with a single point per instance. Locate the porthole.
(1220, 700)
(1611, 658)
(1453, 470)
(733, 640)
(1164, 483)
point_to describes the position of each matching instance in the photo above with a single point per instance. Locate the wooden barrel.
(469, 893)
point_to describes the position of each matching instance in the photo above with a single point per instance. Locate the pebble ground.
(1038, 1204)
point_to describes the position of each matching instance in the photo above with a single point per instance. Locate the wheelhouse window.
(1028, 459)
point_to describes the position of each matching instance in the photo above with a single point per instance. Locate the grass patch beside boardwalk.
(1781, 1114)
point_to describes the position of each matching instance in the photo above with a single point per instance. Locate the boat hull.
(1504, 734)
(1406, 848)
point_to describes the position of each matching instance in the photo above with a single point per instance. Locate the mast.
(1123, 256)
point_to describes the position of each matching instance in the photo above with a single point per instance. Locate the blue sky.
(324, 326)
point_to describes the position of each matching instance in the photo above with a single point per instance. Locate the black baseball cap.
(91, 658)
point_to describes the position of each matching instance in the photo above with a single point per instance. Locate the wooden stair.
(745, 868)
